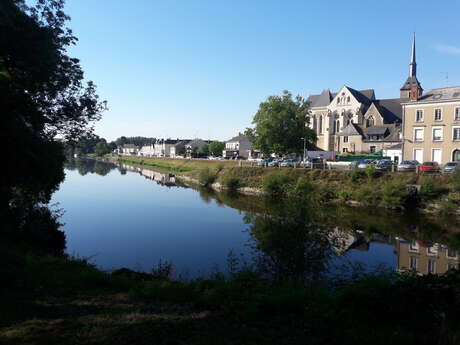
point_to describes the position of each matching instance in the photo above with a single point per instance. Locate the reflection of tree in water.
(292, 247)
(85, 166)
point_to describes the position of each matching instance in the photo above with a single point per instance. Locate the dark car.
(384, 165)
(427, 167)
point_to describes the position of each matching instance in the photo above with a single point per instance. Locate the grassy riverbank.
(52, 300)
(432, 193)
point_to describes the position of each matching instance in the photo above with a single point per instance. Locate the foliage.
(231, 183)
(429, 191)
(43, 97)
(102, 148)
(303, 188)
(216, 148)
(276, 184)
(355, 175)
(207, 177)
(395, 195)
(279, 125)
(138, 141)
(370, 172)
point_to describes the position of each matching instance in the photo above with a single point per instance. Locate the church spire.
(411, 88)
(413, 64)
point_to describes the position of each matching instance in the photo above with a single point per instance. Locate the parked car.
(428, 167)
(287, 163)
(274, 163)
(384, 165)
(365, 163)
(451, 167)
(316, 163)
(408, 165)
(263, 162)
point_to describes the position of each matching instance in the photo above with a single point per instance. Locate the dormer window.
(348, 99)
(338, 100)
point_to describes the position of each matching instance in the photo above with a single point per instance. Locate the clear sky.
(200, 68)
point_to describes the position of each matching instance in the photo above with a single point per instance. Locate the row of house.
(238, 146)
(419, 125)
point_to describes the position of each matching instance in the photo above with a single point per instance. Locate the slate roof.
(377, 130)
(325, 97)
(411, 80)
(239, 137)
(350, 130)
(363, 96)
(442, 94)
(390, 109)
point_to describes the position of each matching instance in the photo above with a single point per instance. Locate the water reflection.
(302, 242)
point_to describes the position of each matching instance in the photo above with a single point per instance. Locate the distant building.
(147, 150)
(196, 146)
(237, 146)
(128, 150)
(162, 147)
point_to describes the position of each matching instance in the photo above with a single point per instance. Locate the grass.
(69, 301)
(438, 193)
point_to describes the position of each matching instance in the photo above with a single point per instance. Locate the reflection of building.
(424, 257)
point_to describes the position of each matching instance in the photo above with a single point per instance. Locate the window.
(320, 124)
(456, 133)
(348, 99)
(436, 155)
(370, 121)
(451, 253)
(452, 266)
(437, 115)
(457, 114)
(419, 116)
(345, 150)
(338, 100)
(345, 139)
(431, 266)
(337, 126)
(413, 262)
(432, 250)
(418, 155)
(418, 134)
(437, 134)
(314, 124)
(372, 149)
(413, 246)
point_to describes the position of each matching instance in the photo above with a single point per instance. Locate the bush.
(345, 195)
(276, 184)
(394, 195)
(456, 180)
(429, 191)
(355, 175)
(303, 188)
(370, 171)
(207, 177)
(231, 183)
(325, 194)
(368, 195)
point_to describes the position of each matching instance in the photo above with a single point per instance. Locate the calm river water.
(125, 216)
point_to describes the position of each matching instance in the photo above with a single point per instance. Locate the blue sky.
(200, 68)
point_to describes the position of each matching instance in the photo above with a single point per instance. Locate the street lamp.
(304, 148)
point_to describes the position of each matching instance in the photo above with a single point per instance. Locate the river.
(126, 216)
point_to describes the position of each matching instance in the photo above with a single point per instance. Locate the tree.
(216, 148)
(102, 148)
(42, 97)
(280, 124)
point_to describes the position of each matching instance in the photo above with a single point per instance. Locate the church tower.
(411, 88)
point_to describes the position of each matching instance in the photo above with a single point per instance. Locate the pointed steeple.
(412, 88)
(413, 64)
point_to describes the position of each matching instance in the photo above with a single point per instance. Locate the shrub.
(231, 183)
(394, 195)
(355, 175)
(345, 195)
(303, 188)
(325, 193)
(429, 191)
(206, 177)
(368, 195)
(370, 171)
(276, 184)
(456, 179)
